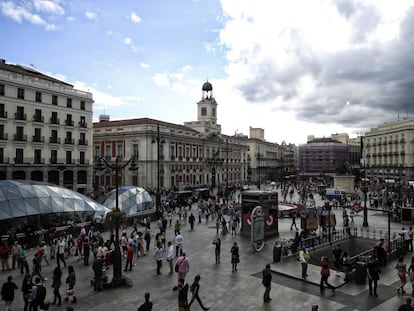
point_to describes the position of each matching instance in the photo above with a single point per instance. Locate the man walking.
(179, 239)
(7, 292)
(267, 282)
(373, 275)
(182, 295)
(147, 305)
(170, 256)
(159, 252)
(304, 257)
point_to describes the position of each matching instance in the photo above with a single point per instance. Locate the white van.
(335, 193)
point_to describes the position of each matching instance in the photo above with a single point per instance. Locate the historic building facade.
(388, 151)
(45, 129)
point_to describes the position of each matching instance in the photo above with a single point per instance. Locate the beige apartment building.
(45, 129)
(388, 151)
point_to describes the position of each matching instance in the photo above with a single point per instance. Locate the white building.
(45, 129)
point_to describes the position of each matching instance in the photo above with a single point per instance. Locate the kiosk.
(268, 201)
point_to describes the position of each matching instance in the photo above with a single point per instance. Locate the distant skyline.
(294, 68)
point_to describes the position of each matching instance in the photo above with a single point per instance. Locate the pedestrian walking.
(27, 285)
(293, 217)
(235, 257)
(56, 284)
(97, 267)
(195, 288)
(7, 292)
(170, 257)
(373, 273)
(402, 274)
(23, 260)
(86, 251)
(217, 249)
(177, 227)
(337, 253)
(304, 258)
(147, 305)
(411, 274)
(183, 295)
(182, 266)
(129, 257)
(147, 238)
(325, 273)
(60, 255)
(159, 254)
(179, 239)
(267, 283)
(191, 220)
(71, 281)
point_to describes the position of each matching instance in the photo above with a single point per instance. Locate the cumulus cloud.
(127, 41)
(49, 7)
(314, 60)
(144, 65)
(91, 15)
(135, 17)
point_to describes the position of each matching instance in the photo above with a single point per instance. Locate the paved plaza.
(223, 290)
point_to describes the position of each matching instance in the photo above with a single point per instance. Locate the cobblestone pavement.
(220, 288)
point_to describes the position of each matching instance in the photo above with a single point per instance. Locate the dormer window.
(204, 111)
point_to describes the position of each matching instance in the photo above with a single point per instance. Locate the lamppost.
(117, 256)
(159, 142)
(258, 157)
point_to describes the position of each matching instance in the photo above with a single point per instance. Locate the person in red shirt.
(129, 257)
(325, 273)
(4, 256)
(79, 246)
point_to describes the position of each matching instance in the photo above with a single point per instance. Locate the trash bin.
(361, 272)
(277, 252)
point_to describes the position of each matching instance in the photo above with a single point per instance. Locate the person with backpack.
(7, 292)
(195, 287)
(38, 296)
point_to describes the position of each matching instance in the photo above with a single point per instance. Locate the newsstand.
(361, 272)
(277, 252)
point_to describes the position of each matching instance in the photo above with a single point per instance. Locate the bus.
(335, 193)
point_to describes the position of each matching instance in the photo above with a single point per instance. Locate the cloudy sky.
(293, 67)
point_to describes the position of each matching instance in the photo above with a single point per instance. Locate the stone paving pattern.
(220, 288)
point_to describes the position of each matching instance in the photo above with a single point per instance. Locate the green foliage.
(115, 218)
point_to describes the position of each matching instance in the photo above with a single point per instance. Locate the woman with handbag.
(402, 274)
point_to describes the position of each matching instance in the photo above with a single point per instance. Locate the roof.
(126, 122)
(28, 71)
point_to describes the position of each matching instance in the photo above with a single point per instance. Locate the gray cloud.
(376, 80)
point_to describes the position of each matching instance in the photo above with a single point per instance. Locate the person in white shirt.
(170, 256)
(179, 239)
(60, 256)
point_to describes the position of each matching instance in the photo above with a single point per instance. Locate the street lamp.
(258, 157)
(117, 256)
(159, 142)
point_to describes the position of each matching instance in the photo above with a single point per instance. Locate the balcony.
(69, 122)
(39, 119)
(172, 158)
(4, 160)
(20, 160)
(70, 162)
(3, 114)
(83, 124)
(83, 142)
(18, 137)
(69, 141)
(82, 161)
(39, 161)
(54, 140)
(4, 136)
(20, 116)
(38, 139)
(55, 121)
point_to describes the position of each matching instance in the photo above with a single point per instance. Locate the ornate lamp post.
(159, 142)
(116, 217)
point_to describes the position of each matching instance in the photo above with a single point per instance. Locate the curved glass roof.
(133, 201)
(21, 199)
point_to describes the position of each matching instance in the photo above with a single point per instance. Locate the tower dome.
(207, 87)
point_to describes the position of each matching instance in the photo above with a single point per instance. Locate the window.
(37, 135)
(69, 121)
(82, 105)
(19, 156)
(20, 113)
(19, 132)
(20, 93)
(82, 157)
(97, 151)
(2, 136)
(1, 155)
(68, 157)
(108, 151)
(38, 97)
(53, 156)
(38, 156)
(2, 89)
(203, 111)
(38, 116)
(54, 119)
(119, 150)
(54, 100)
(69, 102)
(135, 151)
(82, 139)
(82, 122)
(214, 112)
(68, 139)
(54, 137)
(3, 113)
